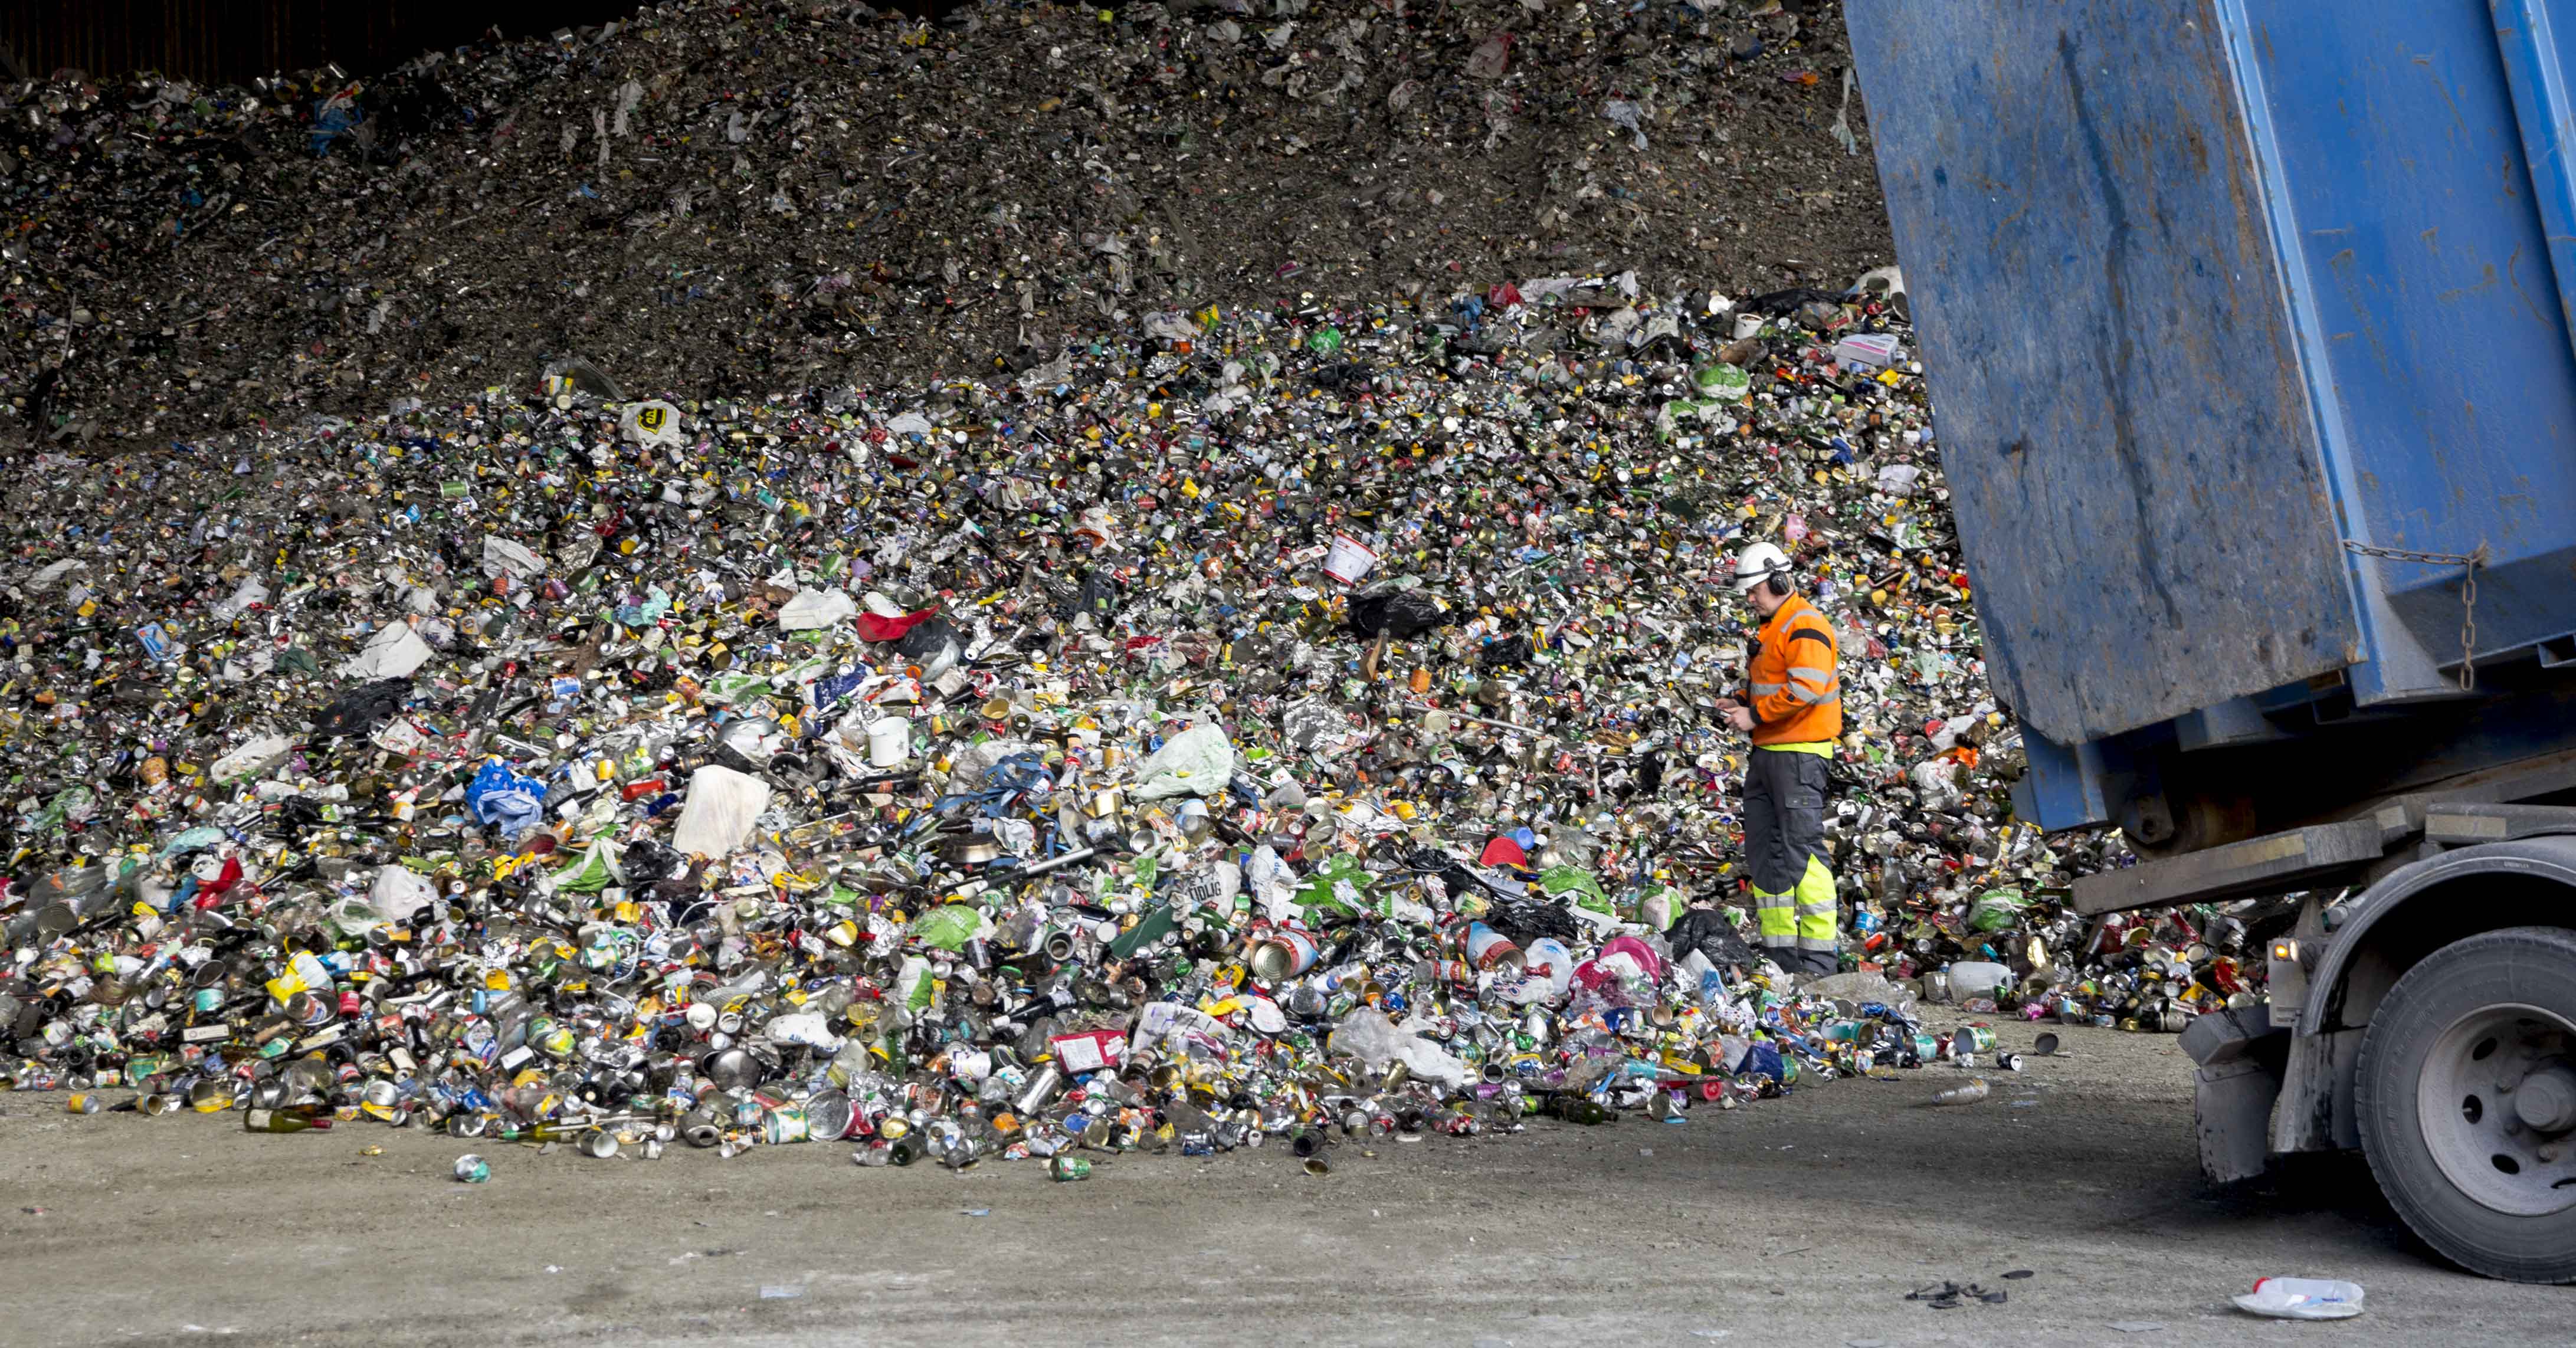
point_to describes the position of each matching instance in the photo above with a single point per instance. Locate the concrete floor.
(1803, 1220)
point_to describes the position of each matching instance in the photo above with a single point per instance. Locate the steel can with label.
(1490, 949)
(786, 1123)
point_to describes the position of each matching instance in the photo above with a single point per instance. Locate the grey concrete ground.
(1795, 1221)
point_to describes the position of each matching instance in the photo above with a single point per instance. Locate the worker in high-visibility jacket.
(1792, 707)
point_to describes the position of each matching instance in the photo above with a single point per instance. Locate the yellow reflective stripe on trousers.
(1815, 925)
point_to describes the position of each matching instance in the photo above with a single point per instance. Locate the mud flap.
(2231, 1105)
(2241, 1058)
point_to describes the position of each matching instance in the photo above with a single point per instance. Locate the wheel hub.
(2546, 1100)
(2497, 1101)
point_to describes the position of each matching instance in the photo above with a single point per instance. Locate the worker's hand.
(1740, 717)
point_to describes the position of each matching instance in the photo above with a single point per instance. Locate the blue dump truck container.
(2248, 330)
(2248, 337)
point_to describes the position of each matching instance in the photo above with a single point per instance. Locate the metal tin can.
(1041, 1087)
(1974, 1038)
(829, 1116)
(473, 1169)
(787, 1123)
(1065, 1168)
(599, 1144)
(1490, 949)
(1284, 953)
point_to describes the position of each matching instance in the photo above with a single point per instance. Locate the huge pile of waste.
(1227, 723)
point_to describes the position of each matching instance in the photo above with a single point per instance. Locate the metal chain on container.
(2468, 563)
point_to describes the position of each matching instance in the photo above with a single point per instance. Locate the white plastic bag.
(250, 758)
(1366, 1034)
(398, 893)
(1198, 761)
(652, 423)
(393, 652)
(811, 609)
(807, 1028)
(244, 595)
(718, 815)
(500, 556)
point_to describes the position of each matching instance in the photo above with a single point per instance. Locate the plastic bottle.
(2303, 1298)
(1967, 1093)
(1977, 978)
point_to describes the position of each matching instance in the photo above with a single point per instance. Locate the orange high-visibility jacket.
(1791, 683)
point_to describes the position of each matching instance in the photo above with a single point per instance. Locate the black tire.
(2532, 966)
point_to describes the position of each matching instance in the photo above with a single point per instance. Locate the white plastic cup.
(889, 742)
(1349, 559)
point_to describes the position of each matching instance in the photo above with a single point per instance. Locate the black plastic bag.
(1402, 614)
(1527, 919)
(646, 862)
(360, 710)
(1707, 931)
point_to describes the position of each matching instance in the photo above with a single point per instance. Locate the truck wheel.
(2466, 1097)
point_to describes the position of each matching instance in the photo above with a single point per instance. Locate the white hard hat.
(1758, 563)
